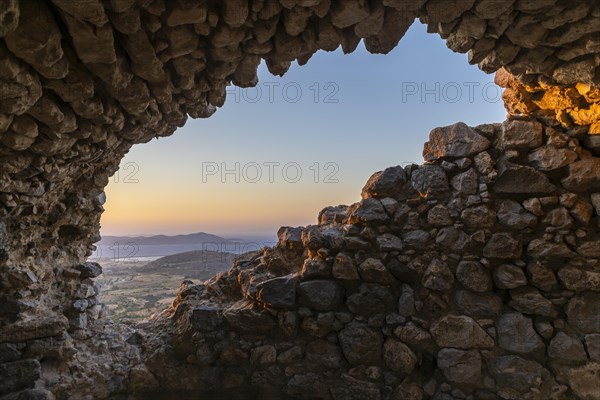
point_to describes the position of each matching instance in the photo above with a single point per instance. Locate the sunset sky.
(345, 116)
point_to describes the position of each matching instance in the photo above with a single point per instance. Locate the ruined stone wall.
(474, 276)
(82, 81)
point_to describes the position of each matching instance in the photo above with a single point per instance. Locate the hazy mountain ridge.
(159, 240)
(191, 261)
(112, 247)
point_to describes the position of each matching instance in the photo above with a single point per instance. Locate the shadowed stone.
(373, 270)
(23, 330)
(473, 276)
(430, 180)
(460, 366)
(579, 280)
(584, 380)
(361, 344)
(368, 211)
(592, 342)
(438, 276)
(461, 332)
(516, 334)
(503, 246)
(508, 276)
(530, 301)
(465, 182)
(18, 375)
(398, 356)
(516, 372)
(517, 179)
(566, 348)
(344, 268)
(279, 292)
(320, 295)
(583, 312)
(353, 389)
(549, 158)
(371, 299)
(513, 215)
(89, 270)
(385, 183)
(325, 353)
(245, 316)
(478, 305)
(206, 318)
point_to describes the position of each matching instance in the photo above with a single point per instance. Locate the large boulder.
(454, 141)
(387, 183)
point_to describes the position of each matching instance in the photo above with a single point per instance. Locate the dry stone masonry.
(474, 276)
(446, 281)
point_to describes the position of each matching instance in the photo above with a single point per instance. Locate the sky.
(275, 156)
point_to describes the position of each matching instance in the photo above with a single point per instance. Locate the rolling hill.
(137, 289)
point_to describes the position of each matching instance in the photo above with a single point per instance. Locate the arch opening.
(257, 182)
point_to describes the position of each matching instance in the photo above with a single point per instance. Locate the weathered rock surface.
(436, 271)
(361, 344)
(460, 332)
(460, 366)
(516, 334)
(373, 302)
(454, 141)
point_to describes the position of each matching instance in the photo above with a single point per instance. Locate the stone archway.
(497, 236)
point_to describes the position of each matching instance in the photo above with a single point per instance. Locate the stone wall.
(83, 81)
(474, 276)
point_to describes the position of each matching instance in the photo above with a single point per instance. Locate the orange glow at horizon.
(218, 208)
(366, 125)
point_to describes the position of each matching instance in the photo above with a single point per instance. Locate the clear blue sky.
(376, 116)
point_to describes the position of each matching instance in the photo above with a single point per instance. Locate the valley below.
(137, 288)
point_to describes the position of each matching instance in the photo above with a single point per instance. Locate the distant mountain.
(161, 240)
(191, 263)
(117, 248)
